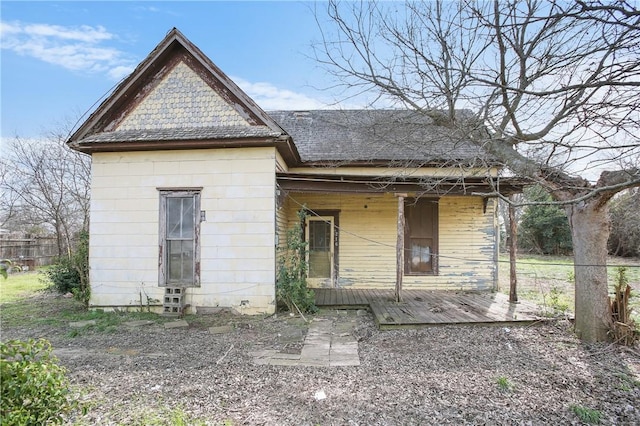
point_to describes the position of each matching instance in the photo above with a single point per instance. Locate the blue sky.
(59, 57)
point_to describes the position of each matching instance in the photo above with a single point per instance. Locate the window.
(179, 238)
(421, 236)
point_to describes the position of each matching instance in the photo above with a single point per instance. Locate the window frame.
(163, 255)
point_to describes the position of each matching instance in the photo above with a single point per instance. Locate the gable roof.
(177, 99)
(376, 137)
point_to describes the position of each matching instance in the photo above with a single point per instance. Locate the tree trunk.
(400, 248)
(513, 252)
(589, 223)
(59, 238)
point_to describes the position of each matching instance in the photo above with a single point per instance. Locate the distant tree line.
(544, 228)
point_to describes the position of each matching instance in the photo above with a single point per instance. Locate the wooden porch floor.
(423, 307)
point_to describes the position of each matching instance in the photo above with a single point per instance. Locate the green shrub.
(33, 387)
(63, 276)
(291, 283)
(71, 274)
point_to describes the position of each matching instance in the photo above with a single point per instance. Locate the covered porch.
(428, 308)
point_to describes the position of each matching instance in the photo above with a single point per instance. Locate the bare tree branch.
(553, 86)
(45, 185)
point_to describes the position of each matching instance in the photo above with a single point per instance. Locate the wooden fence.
(29, 252)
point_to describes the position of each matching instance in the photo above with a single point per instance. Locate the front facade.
(194, 188)
(454, 248)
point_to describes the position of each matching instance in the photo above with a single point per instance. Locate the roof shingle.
(375, 136)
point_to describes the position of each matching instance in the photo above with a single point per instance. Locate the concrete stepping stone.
(82, 324)
(328, 344)
(138, 323)
(176, 324)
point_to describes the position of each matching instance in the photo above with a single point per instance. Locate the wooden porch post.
(513, 251)
(400, 247)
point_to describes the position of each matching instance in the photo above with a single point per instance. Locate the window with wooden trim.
(421, 236)
(179, 260)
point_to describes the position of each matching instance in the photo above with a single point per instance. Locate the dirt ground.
(527, 375)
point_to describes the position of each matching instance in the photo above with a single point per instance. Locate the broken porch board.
(423, 307)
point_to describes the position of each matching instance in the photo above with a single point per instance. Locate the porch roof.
(474, 185)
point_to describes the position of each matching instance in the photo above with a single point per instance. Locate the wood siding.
(237, 239)
(368, 232)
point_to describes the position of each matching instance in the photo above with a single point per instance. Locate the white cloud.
(270, 97)
(120, 72)
(74, 48)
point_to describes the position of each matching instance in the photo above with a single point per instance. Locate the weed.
(165, 416)
(106, 322)
(557, 300)
(504, 384)
(586, 415)
(554, 302)
(627, 382)
(149, 300)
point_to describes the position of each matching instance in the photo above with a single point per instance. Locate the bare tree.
(45, 185)
(553, 85)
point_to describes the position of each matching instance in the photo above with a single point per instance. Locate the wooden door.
(320, 251)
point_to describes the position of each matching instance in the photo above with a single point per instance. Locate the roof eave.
(398, 163)
(473, 185)
(283, 144)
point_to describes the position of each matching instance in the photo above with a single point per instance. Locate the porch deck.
(423, 307)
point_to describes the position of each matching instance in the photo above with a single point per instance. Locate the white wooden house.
(194, 186)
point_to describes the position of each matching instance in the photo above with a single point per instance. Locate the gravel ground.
(430, 376)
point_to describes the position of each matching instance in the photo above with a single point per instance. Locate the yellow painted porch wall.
(368, 234)
(237, 239)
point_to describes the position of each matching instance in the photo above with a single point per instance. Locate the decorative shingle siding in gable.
(182, 100)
